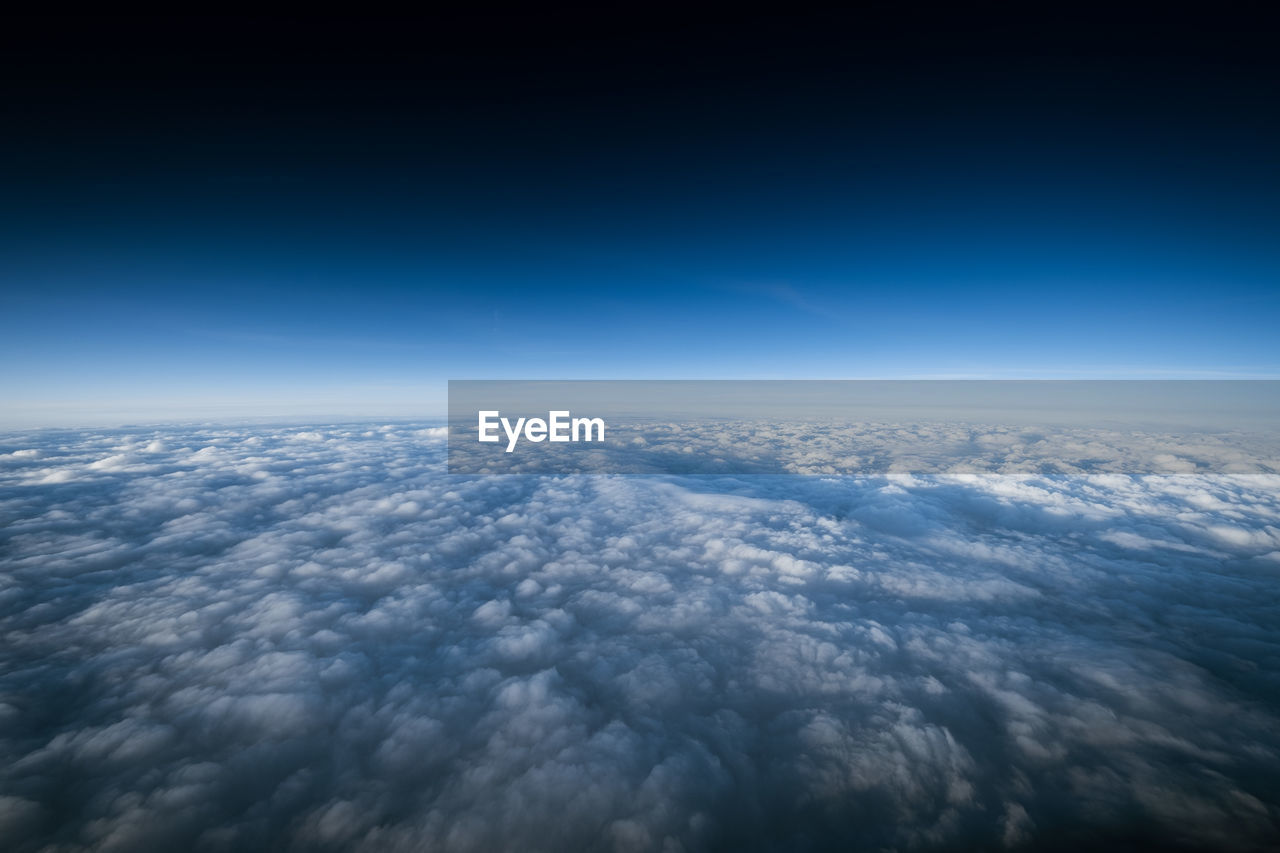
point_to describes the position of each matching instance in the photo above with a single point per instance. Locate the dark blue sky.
(279, 217)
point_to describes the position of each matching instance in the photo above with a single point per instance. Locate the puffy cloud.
(243, 638)
(866, 448)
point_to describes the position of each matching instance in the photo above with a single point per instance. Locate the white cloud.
(219, 638)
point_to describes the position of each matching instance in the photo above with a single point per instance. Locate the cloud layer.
(865, 448)
(315, 639)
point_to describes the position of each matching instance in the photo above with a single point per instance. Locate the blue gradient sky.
(258, 260)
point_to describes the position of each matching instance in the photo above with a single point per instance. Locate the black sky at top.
(553, 109)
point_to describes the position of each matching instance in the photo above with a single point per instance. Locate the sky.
(203, 217)
(305, 633)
